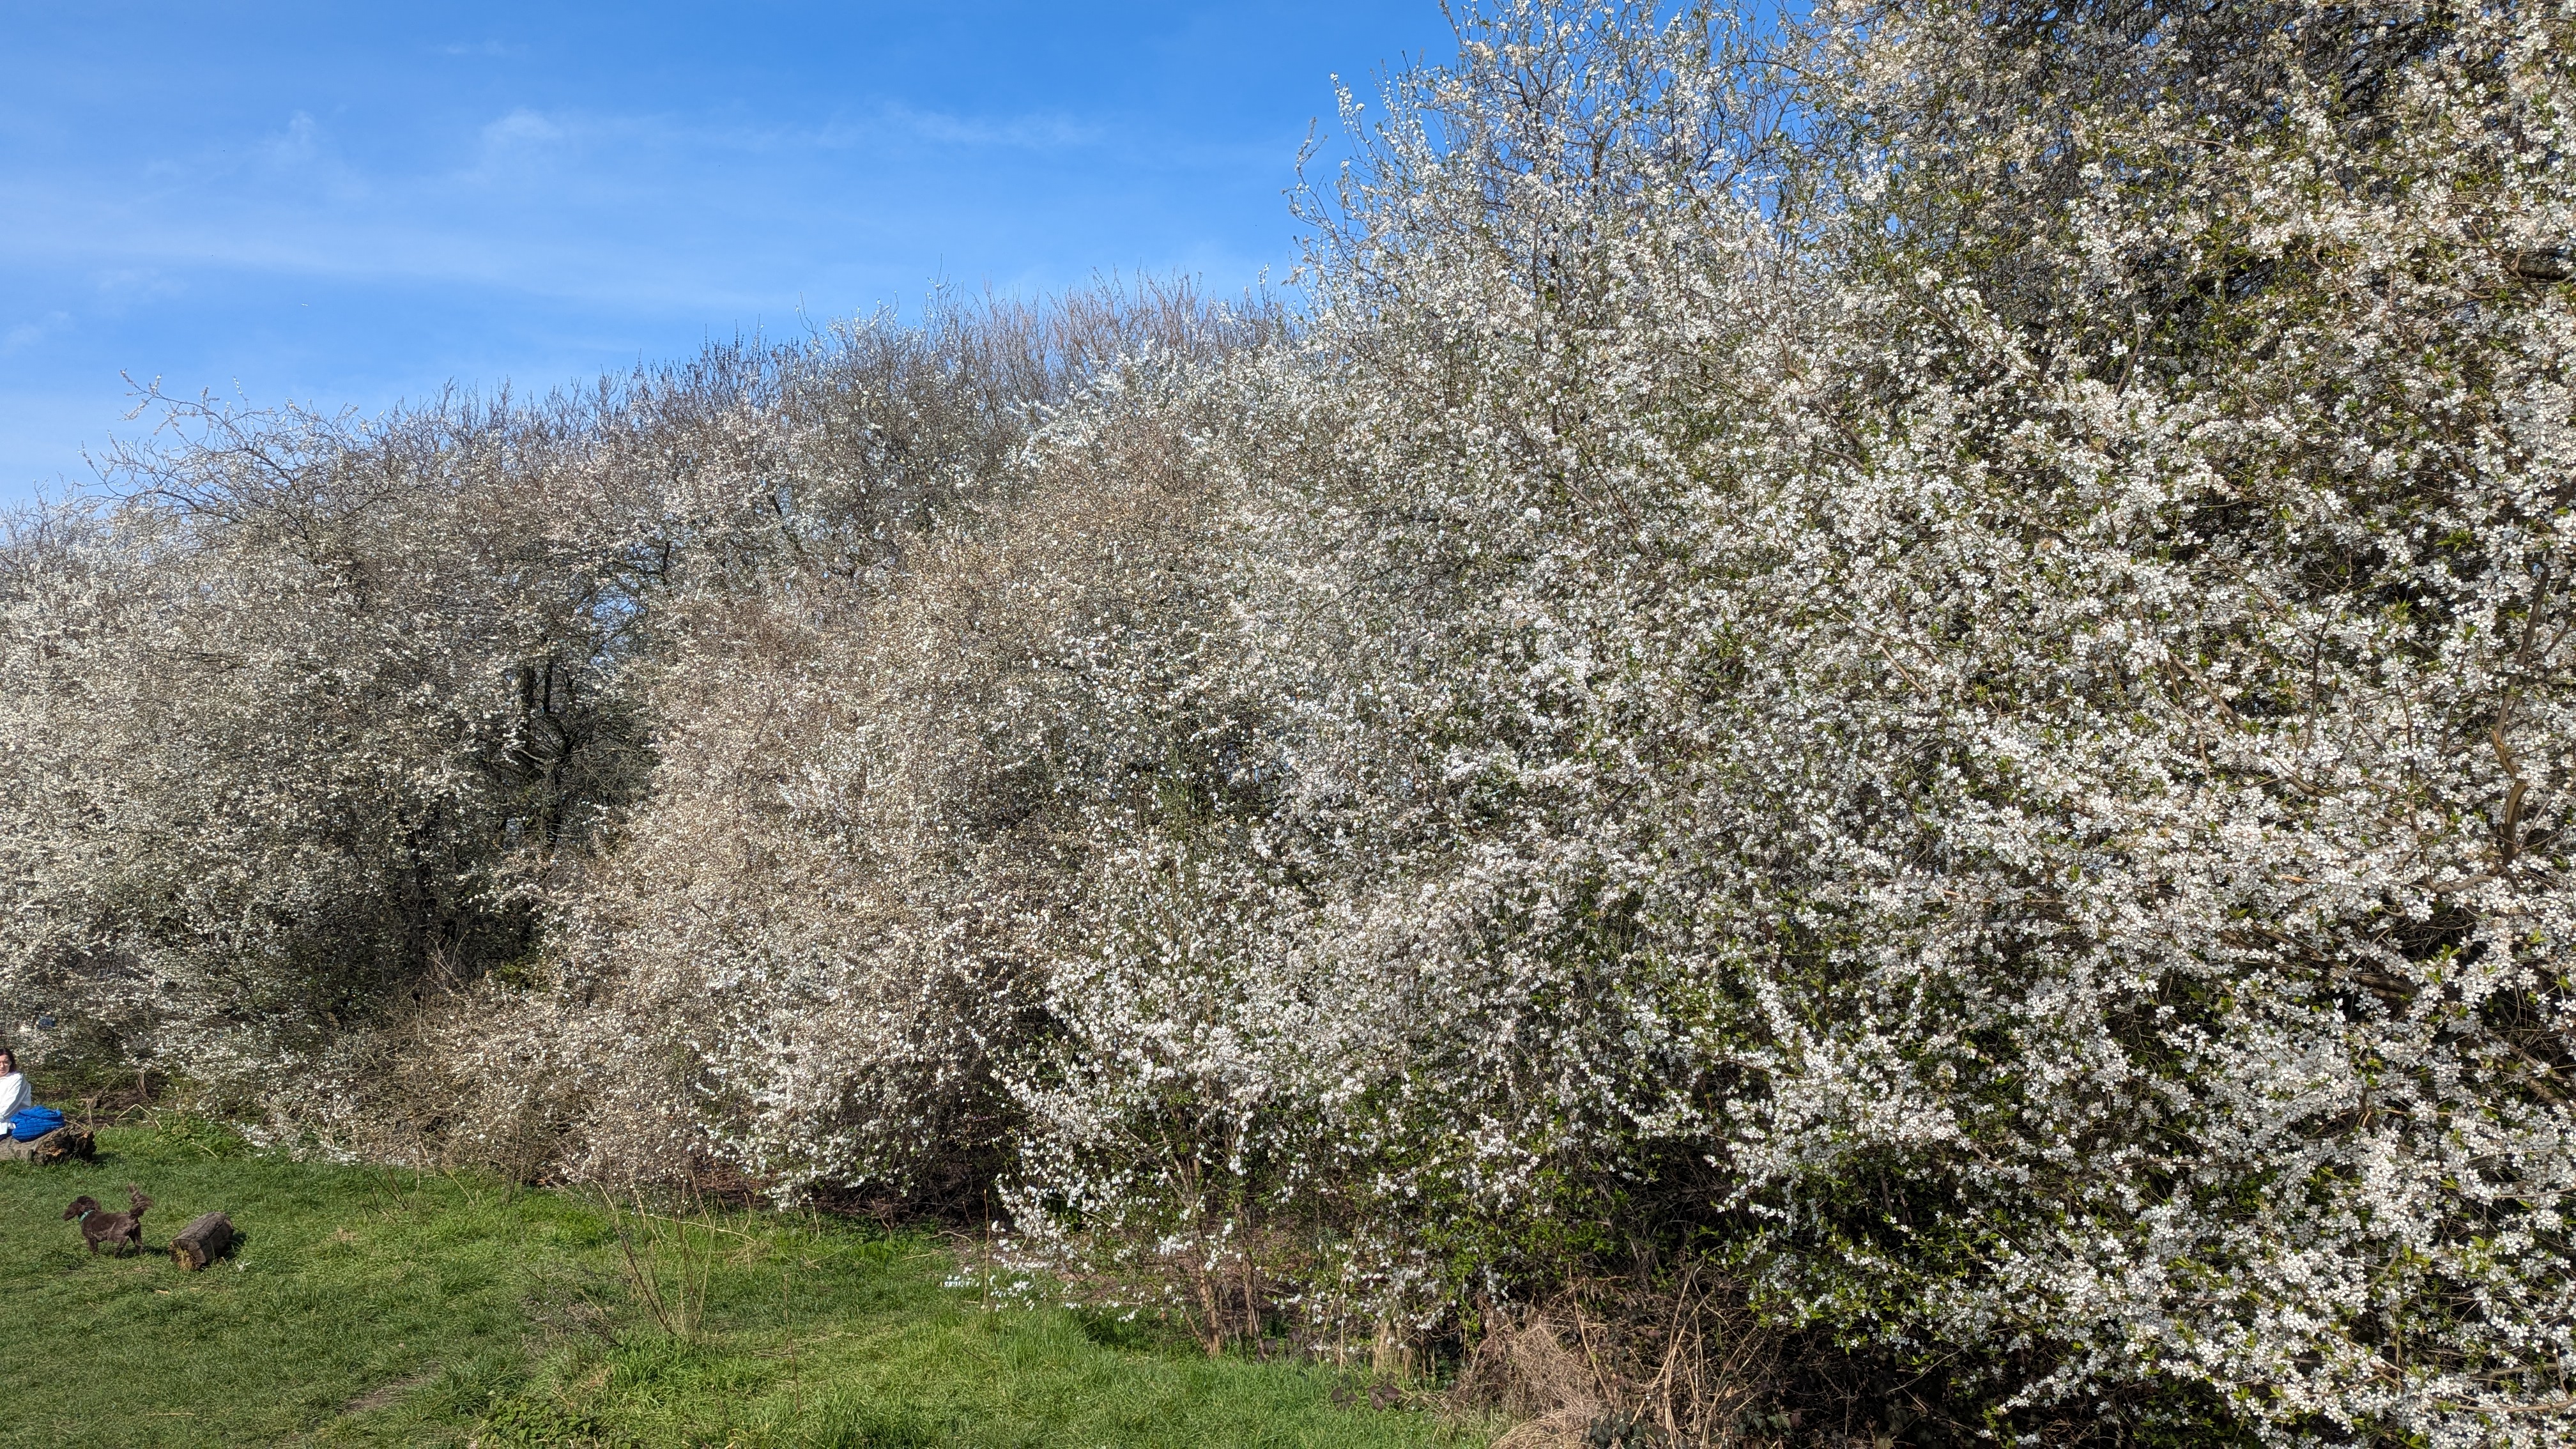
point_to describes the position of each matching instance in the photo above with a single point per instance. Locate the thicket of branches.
(1883, 704)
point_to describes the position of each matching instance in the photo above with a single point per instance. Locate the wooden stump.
(63, 1144)
(201, 1242)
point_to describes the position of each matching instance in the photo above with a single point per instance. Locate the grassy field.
(368, 1306)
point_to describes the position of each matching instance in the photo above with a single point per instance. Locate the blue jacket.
(28, 1123)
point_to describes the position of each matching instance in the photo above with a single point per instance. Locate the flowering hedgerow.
(1984, 694)
(1926, 650)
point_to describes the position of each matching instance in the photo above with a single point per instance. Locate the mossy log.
(202, 1241)
(63, 1144)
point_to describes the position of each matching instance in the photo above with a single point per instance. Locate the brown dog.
(100, 1226)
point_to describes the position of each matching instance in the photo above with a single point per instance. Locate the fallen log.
(63, 1144)
(202, 1241)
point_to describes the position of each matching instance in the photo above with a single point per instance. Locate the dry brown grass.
(1679, 1361)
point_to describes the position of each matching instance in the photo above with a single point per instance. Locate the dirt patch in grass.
(385, 1396)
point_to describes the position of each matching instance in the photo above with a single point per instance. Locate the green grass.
(370, 1306)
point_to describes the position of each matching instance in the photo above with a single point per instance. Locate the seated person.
(21, 1120)
(15, 1096)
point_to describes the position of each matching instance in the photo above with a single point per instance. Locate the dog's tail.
(140, 1201)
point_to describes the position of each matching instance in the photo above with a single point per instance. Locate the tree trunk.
(201, 1242)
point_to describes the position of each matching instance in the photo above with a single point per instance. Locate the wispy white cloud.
(1038, 132)
(489, 49)
(640, 212)
(523, 127)
(297, 145)
(29, 333)
(300, 156)
(120, 286)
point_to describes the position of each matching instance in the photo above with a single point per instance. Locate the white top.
(13, 1096)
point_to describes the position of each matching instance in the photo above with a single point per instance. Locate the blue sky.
(357, 203)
